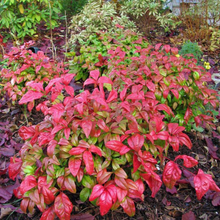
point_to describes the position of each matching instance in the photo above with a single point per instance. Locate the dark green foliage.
(72, 7)
(191, 48)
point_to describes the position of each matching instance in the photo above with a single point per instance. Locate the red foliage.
(110, 142)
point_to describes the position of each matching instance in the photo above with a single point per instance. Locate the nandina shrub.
(105, 145)
(167, 78)
(24, 66)
(93, 53)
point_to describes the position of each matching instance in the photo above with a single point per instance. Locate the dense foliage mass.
(111, 140)
(107, 143)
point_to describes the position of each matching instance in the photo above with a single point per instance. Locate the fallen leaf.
(7, 152)
(216, 199)
(85, 216)
(5, 212)
(5, 195)
(212, 149)
(172, 191)
(189, 216)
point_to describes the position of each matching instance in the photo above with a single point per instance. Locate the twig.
(53, 48)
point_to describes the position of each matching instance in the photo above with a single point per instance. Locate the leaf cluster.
(107, 143)
(24, 66)
(21, 18)
(93, 53)
(189, 48)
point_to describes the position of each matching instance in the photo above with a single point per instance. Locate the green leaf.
(84, 194)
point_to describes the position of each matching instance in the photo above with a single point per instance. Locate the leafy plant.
(96, 16)
(138, 8)
(21, 18)
(189, 48)
(215, 39)
(93, 53)
(24, 66)
(107, 143)
(72, 7)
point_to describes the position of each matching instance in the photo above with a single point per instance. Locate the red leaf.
(123, 94)
(105, 79)
(114, 145)
(184, 139)
(136, 163)
(171, 174)
(165, 108)
(150, 86)
(30, 96)
(76, 151)
(175, 129)
(28, 183)
(70, 90)
(24, 204)
(174, 50)
(96, 192)
(105, 202)
(128, 206)
(121, 193)
(48, 195)
(103, 176)
(89, 81)
(62, 206)
(153, 181)
(167, 48)
(175, 93)
(121, 173)
(112, 189)
(88, 160)
(74, 165)
(69, 184)
(187, 161)
(14, 167)
(30, 106)
(203, 182)
(87, 127)
(189, 216)
(136, 142)
(66, 79)
(112, 96)
(26, 132)
(48, 214)
(95, 74)
(102, 125)
(157, 46)
(95, 150)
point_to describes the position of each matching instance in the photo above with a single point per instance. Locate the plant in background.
(138, 8)
(21, 18)
(189, 48)
(215, 39)
(24, 66)
(94, 51)
(106, 143)
(96, 16)
(72, 7)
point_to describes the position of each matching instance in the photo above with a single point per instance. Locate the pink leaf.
(171, 174)
(88, 160)
(204, 182)
(74, 166)
(96, 192)
(95, 74)
(28, 183)
(87, 127)
(62, 206)
(187, 161)
(30, 96)
(136, 142)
